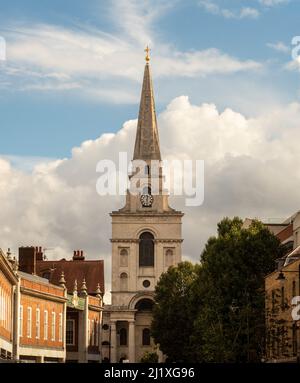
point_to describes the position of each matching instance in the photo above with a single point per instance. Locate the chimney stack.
(27, 259)
(78, 255)
(39, 254)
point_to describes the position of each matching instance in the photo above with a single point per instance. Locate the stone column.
(113, 342)
(131, 343)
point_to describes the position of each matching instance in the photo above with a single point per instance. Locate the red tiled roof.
(92, 271)
(286, 233)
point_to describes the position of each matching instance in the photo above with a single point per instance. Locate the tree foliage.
(214, 312)
(149, 357)
(172, 324)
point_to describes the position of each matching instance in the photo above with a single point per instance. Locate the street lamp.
(281, 277)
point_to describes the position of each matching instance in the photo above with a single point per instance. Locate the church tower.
(146, 240)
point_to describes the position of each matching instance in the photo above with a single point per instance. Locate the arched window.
(123, 337)
(145, 304)
(123, 282)
(146, 337)
(146, 250)
(169, 257)
(124, 258)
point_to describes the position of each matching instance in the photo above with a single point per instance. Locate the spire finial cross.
(147, 50)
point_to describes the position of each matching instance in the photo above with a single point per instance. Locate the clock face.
(146, 200)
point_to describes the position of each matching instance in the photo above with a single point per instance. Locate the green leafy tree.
(174, 312)
(149, 357)
(230, 326)
(215, 311)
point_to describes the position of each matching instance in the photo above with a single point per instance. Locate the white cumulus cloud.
(251, 169)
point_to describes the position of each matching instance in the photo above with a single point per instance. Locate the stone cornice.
(146, 214)
(7, 269)
(118, 309)
(38, 294)
(126, 240)
(134, 240)
(95, 308)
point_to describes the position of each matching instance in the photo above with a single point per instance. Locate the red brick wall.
(41, 304)
(94, 301)
(41, 287)
(6, 291)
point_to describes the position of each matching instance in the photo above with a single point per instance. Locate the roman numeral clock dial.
(146, 200)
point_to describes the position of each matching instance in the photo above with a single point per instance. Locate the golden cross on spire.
(147, 50)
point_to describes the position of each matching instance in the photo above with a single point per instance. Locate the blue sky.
(74, 68)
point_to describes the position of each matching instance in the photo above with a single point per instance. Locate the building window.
(93, 333)
(144, 305)
(124, 282)
(146, 337)
(273, 300)
(97, 333)
(45, 325)
(60, 328)
(29, 321)
(46, 275)
(53, 325)
(294, 339)
(294, 289)
(70, 333)
(123, 337)
(37, 323)
(21, 321)
(146, 283)
(147, 169)
(146, 250)
(124, 258)
(282, 298)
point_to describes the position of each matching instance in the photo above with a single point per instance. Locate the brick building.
(281, 286)
(41, 324)
(8, 285)
(283, 334)
(43, 319)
